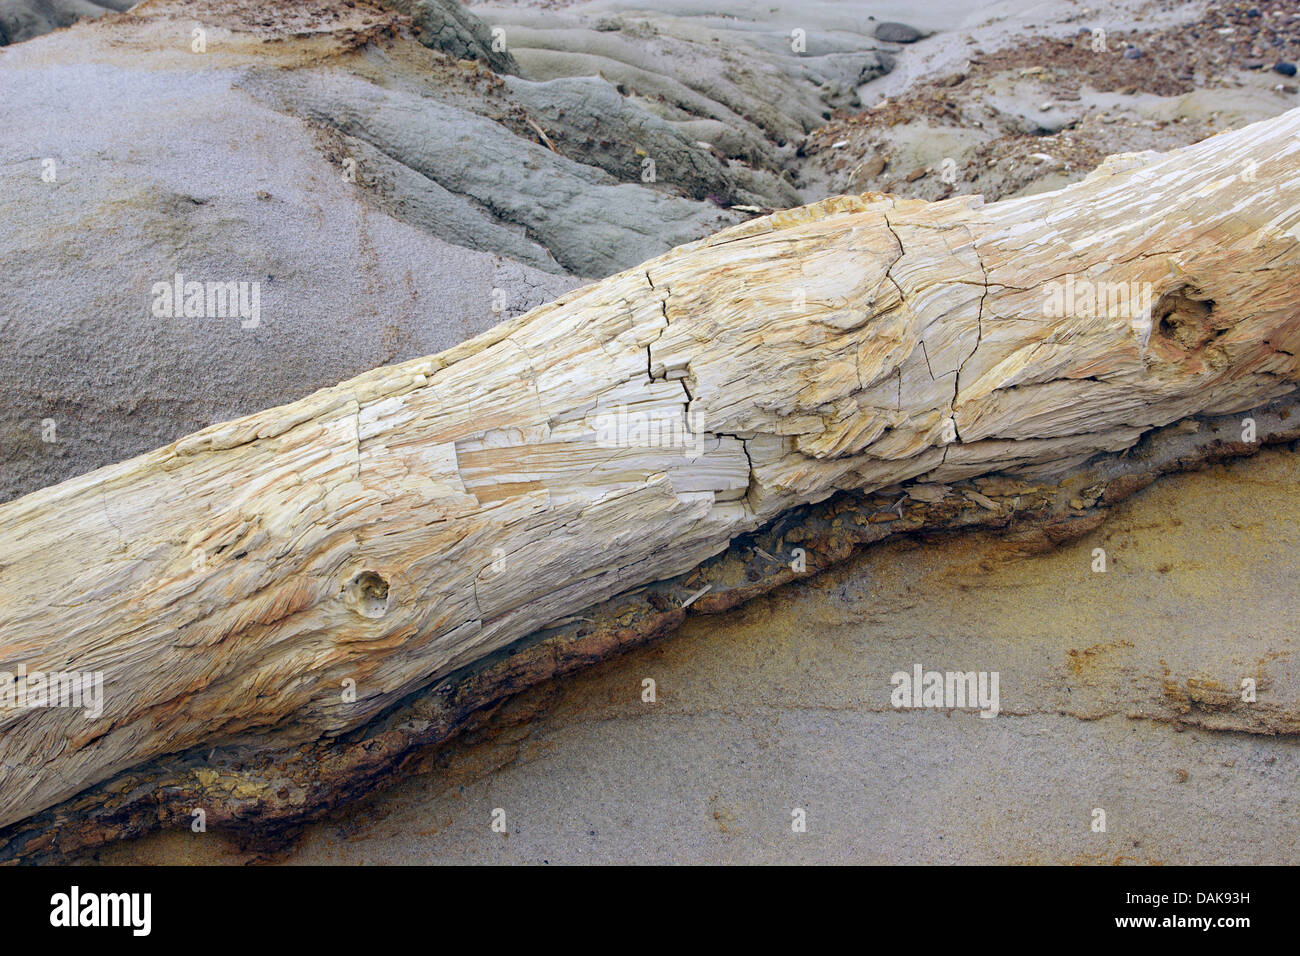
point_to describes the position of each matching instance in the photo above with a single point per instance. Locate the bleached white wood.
(411, 520)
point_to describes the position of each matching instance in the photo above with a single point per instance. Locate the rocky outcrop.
(771, 81)
(449, 26)
(24, 19)
(570, 209)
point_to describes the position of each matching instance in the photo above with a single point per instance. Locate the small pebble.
(897, 33)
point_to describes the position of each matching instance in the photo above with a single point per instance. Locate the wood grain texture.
(400, 525)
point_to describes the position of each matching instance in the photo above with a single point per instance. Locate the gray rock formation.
(23, 19)
(449, 26)
(891, 32)
(587, 116)
(775, 81)
(592, 224)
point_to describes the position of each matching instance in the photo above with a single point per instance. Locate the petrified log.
(291, 574)
(263, 791)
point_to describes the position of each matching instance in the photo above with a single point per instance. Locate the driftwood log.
(290, 575)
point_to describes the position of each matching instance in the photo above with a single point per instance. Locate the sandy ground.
(786, 704)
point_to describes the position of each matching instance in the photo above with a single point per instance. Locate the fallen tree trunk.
(294, 573)
(263, 792)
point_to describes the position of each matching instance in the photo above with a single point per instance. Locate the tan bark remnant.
(397, 527)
